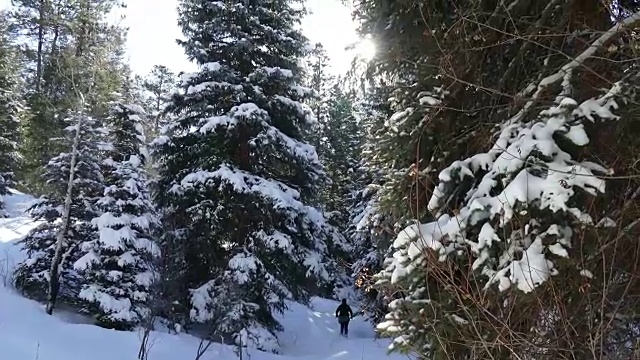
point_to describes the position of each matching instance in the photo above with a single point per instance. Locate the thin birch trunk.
(54, 273)
(41, 35)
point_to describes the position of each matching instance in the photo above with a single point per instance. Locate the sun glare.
(366, 49)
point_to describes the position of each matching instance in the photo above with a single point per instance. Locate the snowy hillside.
(27, 333)
(13, 228)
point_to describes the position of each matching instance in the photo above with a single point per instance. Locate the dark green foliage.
(32, 274)
(118, 265)
(11, 109)
(454, 74)
(72, 56)
(235, 175)
(154, 92)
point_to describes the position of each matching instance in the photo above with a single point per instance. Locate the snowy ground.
(27, 333)
(13, 228)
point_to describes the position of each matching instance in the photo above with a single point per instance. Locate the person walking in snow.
(344, 314)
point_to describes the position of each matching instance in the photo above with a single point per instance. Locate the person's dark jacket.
(344, 313)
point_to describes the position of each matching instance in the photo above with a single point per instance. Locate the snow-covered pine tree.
(516, 262)
(234, 174)
(10, 107)
(118, 265)
(76, 49)
(32, 275)
(340, 145)
(369, 235)
(318, 80)
(154, 92)
(333, 114)
(517, 223)
(335, 135)
(391, 191)
(342, 151)
(370, 227)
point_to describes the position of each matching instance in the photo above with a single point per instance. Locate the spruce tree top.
(243, 34)
(247, 91)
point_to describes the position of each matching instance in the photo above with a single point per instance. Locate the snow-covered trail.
(27, 333)
(12, 228)
(314, 333)
(18, 223)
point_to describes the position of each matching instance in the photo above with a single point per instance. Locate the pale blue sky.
(153, 30)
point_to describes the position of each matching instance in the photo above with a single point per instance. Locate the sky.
(153, 30)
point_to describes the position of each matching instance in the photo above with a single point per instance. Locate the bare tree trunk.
(202, 348)
(54, 273)
(158, 95)
(145, 338)
(240, 348)
(156, 306)
(41, 34)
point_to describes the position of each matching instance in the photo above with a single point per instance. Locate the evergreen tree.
(331, 108)
(32, 275)
(370, 226)
(342, 151)
(158, 86)
(234, 174)
(318, 81)
(336, 135)
(117, 267)
(77, 58)
(490, 151)
(153, 92)
(10, 107)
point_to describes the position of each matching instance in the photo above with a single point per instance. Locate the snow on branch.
(245, 111)
(564, 73)
(281, 195)
(295, 147)
(118, 308)
(597, 44)
(251, 112)
(275, 71)
(242, 182)
(525, 171)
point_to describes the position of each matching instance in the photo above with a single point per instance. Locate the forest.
(474, 186)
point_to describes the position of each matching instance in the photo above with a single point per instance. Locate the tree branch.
(577, 61)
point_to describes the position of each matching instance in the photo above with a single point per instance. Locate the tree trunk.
(54, 273)
(41, 34)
